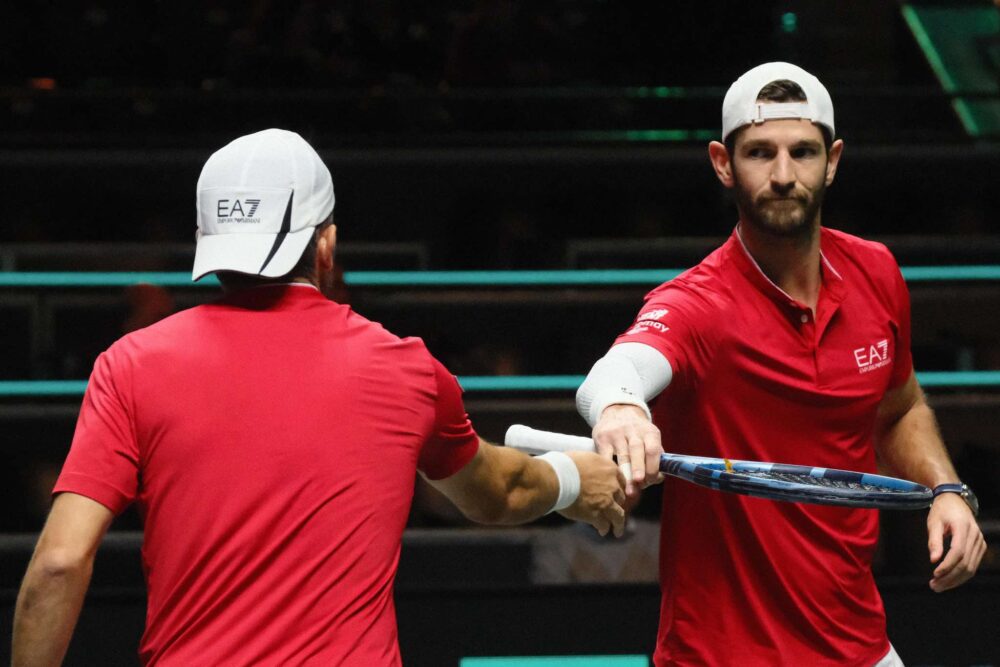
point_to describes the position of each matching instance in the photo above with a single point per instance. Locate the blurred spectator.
(148, 304)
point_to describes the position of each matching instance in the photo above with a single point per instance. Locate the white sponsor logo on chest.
(872, 356)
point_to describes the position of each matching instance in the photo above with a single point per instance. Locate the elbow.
(62, 563)
(515, 505)
(488, 513)
(497, 505)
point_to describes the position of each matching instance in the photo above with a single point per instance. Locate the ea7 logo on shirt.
(649, 320)
(239, 211)
(872, 356)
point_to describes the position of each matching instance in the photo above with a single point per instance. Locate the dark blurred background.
(492, 134)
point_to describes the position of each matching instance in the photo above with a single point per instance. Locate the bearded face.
(788, 214)
(779, 172)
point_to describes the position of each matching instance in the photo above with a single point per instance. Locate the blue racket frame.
(738, 477)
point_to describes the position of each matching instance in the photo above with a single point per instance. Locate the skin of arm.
(56, 581)
(504, 486)
(909, 445)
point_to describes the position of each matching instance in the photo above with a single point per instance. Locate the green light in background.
(913, 19)
(667, 91)
(662, 92)
(670, 135)
(789, 22)
(665, 135)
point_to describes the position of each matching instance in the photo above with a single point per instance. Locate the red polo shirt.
(271, 441)
(756, 376)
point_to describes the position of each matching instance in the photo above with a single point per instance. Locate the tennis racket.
(776, 481)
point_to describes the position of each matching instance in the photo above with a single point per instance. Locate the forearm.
(629, 374)
(48, 606)
(526, 490)
(911, 447)
(502, 486)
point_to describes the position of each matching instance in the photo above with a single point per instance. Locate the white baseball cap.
(259, 199)
(740, 106)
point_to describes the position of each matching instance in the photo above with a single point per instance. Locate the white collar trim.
(753, 261)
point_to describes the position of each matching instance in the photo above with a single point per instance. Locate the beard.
(787, 216)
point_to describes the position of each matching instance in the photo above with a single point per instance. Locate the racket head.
(800, 484)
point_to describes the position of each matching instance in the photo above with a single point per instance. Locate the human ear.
(833, 159)
(325, 245)
(721, 163)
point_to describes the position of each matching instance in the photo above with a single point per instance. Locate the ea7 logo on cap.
(872, 356)
(237, 210)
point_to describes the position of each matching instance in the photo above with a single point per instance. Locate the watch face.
(971, 499)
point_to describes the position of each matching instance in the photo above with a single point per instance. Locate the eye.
(758, 152)
(801, 152)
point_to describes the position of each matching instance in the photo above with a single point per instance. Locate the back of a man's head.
(261, 199)
(304, 269)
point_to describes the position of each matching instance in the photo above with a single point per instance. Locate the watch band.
(963, 491)
(949, 488)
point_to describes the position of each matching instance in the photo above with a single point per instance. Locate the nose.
(782, 173)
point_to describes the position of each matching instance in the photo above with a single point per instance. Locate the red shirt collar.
(832, 288)
(274, 296)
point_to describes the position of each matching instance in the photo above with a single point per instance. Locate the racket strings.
(822, 481)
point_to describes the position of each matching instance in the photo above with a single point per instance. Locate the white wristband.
(568, 477)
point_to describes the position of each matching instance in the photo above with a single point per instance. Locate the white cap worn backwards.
(259, 199)
(740, 107)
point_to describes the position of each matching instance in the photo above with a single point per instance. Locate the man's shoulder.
(380, 335)
(176, 335)
(172, 331)
(861, 250)
(862, 262)
(707, 281)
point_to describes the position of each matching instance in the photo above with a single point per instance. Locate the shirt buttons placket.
(804, 318)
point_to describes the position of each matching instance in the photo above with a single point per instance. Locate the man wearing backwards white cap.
(271, 440)
(790, 342)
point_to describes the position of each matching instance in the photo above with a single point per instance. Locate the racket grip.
(534, 441)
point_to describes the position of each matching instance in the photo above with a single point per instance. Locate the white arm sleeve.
(630, 373)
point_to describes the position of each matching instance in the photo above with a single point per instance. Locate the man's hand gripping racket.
(775, 481)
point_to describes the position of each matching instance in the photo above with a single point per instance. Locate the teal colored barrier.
(588, 277)
(520, 382)
(950, 273)
(42, 387)
(507, 383)
(959, 378)
(100, 279)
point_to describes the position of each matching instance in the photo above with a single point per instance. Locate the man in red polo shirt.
(271, 440)
(790, 343)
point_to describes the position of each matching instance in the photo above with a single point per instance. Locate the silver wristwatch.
(963, 491)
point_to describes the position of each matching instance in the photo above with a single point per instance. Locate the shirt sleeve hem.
(95, 489)
(465, 453)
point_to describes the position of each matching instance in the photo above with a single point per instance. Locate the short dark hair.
(304, 268)
(781, 90)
